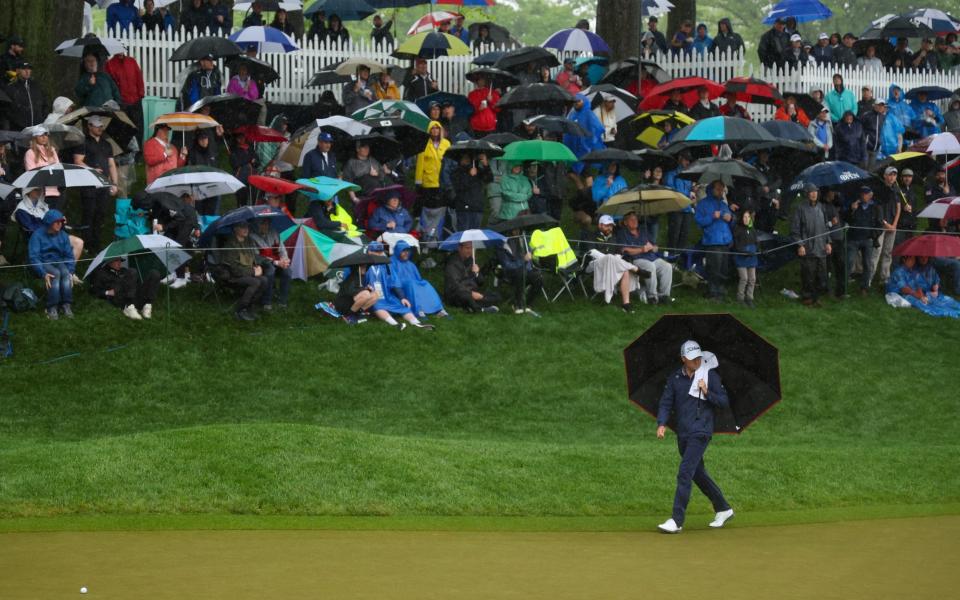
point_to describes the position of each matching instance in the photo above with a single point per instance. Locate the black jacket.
(458, 279)
(691, 415)
(726, 42)
(104, 279)
(470, 190)
(699, 111)
(872, 123)
(863, 216)
(843, 56)
(416, 87)
(771, 47)
(28, 104)
(848, 141)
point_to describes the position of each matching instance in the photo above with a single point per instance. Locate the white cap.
(690, 350)
(96, 121)
(605, 220)
(796, 38)
(823, 36)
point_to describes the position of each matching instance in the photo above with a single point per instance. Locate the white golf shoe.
(721, 517)
(669, 526)
(130, 312)
(147, 311)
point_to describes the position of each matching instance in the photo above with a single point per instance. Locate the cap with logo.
(605, 220)
(690, 350)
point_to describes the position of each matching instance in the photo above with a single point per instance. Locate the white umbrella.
(199, 182)
(938, 209)
(943, 144)
(166, 251)
(61, 175)
(77, 47)
(344, 124)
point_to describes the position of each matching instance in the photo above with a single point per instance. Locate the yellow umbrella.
(650, 124)
(645, 200)
(431, 44)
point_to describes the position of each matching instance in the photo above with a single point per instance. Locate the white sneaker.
(669, 526)
(147, 311)
(722, 517)
(179, 283)
(169, 279)
(130, 312)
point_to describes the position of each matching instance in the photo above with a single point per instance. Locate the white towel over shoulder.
(709, 362)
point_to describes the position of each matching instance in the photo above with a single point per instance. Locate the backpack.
(17, 298)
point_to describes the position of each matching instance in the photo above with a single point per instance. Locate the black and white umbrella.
(61, 136)
(199, 182)
(90, 44)
(61, 175)
(625, 103)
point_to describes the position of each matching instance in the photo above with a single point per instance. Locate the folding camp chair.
(552, 253)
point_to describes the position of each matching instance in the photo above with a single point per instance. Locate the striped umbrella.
(185, 121)
(431, 21)
(311, 252)
(431, 44)
(199, 182)
(148, 252)
(61, 175)
(753, 91)
(576, 40)
(269, 39)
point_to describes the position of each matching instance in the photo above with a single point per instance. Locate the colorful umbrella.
(931, 244)
(151, 252)
(920, 163)
(479, 237)
(803, 11)
(275, 185)
(943, 208)
(325, 188)
(687, 86)
(200, 182)
(646, 201)
(576, 40)
(268, 39)
(259, 133)
(432, 44)
(387, 109)
(722, 130)
(753, 91)
(649, 124)
(311, 252)
(185, 121)
(538, 150)
(431, 21)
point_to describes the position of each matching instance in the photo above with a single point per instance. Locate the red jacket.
(126, 72)
(157, 161)
(484, 119)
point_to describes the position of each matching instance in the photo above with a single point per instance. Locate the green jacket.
(239, 258)
(515, 191)
(96, 94)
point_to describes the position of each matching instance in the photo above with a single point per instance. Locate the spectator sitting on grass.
(121, 286)
(51, 258)
(463, 282)
(919, 284)
(424, 299)
(391, 300)
(391, 216)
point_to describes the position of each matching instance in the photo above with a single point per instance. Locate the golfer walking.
(692, 393)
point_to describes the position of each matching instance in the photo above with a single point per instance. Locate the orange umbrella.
(184, 121)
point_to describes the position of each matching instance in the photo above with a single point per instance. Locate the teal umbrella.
(538, 150)
(408, 111)
(327, 187)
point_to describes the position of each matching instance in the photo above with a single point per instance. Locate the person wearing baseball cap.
(909, 203)
(28, 104)
(793, 55)
(691, 395)
(658, 38)
(96, 153)
(13, 55)
(863, 219)
(808, 228)
(887, 196)
(320, 161)
(605, 248)
(822, 52)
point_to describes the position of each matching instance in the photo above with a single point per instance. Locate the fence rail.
(152, 49)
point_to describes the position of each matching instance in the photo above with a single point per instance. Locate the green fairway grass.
(503, 415)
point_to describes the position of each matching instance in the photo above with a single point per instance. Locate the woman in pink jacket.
(43, 154)
(243, 85)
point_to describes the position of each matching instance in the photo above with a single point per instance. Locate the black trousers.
(692, 470)
(813, 277)
(717, 269)
(94, 205)
(678, 230)
(836, 263)
(253, 287)
(465, 300)
(133, 291)
(533, 282)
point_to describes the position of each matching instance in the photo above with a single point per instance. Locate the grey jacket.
(809, 223)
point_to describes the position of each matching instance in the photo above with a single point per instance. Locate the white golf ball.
(83, 590)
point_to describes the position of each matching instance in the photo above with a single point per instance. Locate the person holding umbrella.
(484, 100)
(462, 282)
(120, 286)
(160, 155)
(692, 394)
(359, 93)
(419, 83)
(204, 81)
(469, 180)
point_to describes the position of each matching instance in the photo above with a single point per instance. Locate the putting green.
(893, 558)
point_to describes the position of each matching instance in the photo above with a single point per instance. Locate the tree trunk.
(618, 23)
(43, 25)
(683, 10)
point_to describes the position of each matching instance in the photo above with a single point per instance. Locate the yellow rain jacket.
(429, 161)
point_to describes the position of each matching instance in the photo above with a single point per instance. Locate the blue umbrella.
(269, 39)
(278, 219)
(802, 10)
(327, 187)
(487, 59)
(479, 237)
(576, 40)
(460, 103)
(933, 92)
(722, 130)
(347, 10)
(832, 173)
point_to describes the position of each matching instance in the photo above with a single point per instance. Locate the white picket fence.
(296, 68)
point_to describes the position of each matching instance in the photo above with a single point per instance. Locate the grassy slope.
(300, 415)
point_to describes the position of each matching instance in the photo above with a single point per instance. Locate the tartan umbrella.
(754, 91)
(311, 252)
(646, 201)
(931, 244)
(749, 366)
(408, 111)
(151, 252)
(649, 124)
(687, 86)
(432, 44)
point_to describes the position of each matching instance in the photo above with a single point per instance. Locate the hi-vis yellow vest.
(342, 216)
(553, 243)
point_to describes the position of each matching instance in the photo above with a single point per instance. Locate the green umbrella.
(538, 150)
(408, 111)
(311, 252)
(145, 253)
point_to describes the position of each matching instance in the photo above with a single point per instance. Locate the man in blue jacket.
(694, 427)
(713, 215)
(122, 15)
(51, 258)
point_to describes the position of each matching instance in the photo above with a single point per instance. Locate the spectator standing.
(808, 228)
(220, 18)
(196, 17)
(822, 131)
(419, 83)
(939, 187)
(607, 115)
(95, 87)
(836, 262)
(380, 35)
(873, 122)
(122, 15)
(732, 109)
(745, 260)
(203, 82)
(702, 41)
(469, 181)
(839, 99)
(869, 60)
(28, 104)
(793, 56)
(255, 17)
(484, 100)
(848, 140)
(926, 58)
(203, 153)
(844, 55)
(726, 41)
(909, 207)
(318, 27)
(427, 179)
(126, 73)
(678, 222)
(460, 31)
(823, 52)
(888, 200)
(243, 161)
(864, 221)
(11, 58)
(160, 155)
(713, 215)
(97, 154)
(658, 38)
(281, 23)
(568, 78)
(359, 93)
(773, 44)
(682, 42)
(791, 111)
(336, 32)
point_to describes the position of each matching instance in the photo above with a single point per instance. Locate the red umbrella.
(755, 91)
(930, 245)
(275, 185)
(687, 86)
(945, 208)
(259, 133)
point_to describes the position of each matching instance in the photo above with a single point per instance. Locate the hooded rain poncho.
(424, 299)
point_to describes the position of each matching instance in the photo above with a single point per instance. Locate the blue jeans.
(865, 249)
(272, 273)
(692, 469)
(61, 286)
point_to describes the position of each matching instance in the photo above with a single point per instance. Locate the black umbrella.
(488, 59)
(203, 46)
(748, 365)
(382, 148)
(322, 78)
(708, 170)
(473, 148)
(501, 139)
(788, 130)
(517, 60)
(622, 73)
(120, 127)
(4, 98)
(806, 102)
(899, 27)
(498, 35)
(834, 173)
(557, 125)
(411, 139)
(885, 50)
(7, 137)
(259, 70)
(230, 110)
(357, 259)
(497, 78)
(655, 158)
(537, 95)
(624, 157)
(523, 222)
